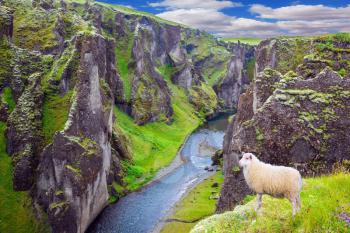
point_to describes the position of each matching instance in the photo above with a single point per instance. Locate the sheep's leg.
(298, 202)
(294, 205)
(258, 201)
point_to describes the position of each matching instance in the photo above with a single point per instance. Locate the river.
(144, 211)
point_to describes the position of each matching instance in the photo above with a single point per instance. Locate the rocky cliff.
(67, 66)
(294, 113)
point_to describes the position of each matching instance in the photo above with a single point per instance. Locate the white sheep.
(276, 181)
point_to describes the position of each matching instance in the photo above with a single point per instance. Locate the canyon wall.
(66, 66)
(294, 113)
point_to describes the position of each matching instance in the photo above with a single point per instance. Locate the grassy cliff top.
(131, 11)
(325, 208)
(244, 40)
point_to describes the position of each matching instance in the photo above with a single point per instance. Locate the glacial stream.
(144, 211)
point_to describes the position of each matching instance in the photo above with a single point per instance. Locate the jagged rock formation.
(66, 66)
(23, 134)
(73, 174)
(294, 119)
(231, 86)
(145, 46)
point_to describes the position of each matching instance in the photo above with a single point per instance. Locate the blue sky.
(258, 18)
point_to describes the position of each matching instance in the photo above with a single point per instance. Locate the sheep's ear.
(250, 157)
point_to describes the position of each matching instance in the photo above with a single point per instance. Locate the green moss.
(323, 200)
(55, 114)
(342, 72)
(6, 55)
(313, 119)
(7, 98)
(204, 99)
(199, 203)
(235, 169)
(215, 75)
(290, 52)
(60, 205)
(59, 192)
(74, 169)
(29, 20)
(308, 116)
(259, 134)
(16, 213)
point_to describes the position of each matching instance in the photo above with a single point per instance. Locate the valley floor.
(325, 208)
(199, 203)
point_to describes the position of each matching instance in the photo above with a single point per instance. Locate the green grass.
(154, 145)
(28, 20)
(323, 199)
(123, 55)
(199, 203)
(244, 40)
(343, 37)
(216, 76)
(55, 114)
(16, 214)
(251, 69)
(7, 98)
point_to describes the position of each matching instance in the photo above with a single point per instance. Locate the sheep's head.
(246, 159)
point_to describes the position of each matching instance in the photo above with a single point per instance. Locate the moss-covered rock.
(6, 22)
(204, 99)
(302, 124)
(82, 151)
(24, 133)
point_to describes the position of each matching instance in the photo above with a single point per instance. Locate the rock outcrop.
(6, 22)
(232, 85)
(23, 134)
(287, 118)
(72, 184)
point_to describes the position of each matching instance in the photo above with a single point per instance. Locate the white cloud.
(303, 27)
(192, 4)
(219, 23)
(301, 12)
(289, 20)
(198, 18)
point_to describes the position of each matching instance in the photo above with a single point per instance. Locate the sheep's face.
(246, 159)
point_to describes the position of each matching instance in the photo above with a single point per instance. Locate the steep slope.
(169, 73)
(85, 88)
(324, 208)
(295, 115)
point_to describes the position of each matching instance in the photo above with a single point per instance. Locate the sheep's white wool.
(277, 181)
